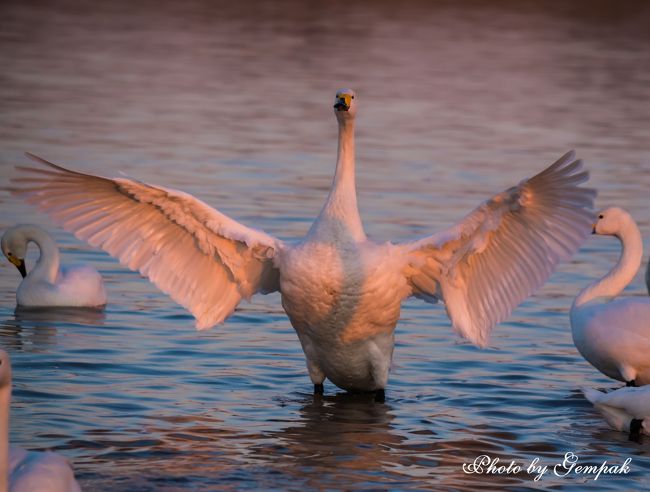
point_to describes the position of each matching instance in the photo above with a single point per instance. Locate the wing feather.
(504, 250)
(203, 259)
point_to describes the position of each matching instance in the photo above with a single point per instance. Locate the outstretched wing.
(204, 260)
(499, 254)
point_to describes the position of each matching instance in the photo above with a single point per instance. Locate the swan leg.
(635, 430)
(316, 374)
(319, 389)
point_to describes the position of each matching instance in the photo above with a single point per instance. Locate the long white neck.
(340, 215)
(47, 266)
(5, 400)
(622, 274)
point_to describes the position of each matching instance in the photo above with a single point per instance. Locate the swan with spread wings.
(341, 291)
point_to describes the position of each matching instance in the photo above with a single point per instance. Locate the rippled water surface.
(233, 104)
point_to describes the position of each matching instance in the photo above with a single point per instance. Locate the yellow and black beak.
(343, 102)
(20, 264)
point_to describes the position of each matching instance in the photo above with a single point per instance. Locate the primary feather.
(204, 260)
(498, 255)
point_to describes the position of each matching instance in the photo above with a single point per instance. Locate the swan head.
(5, 369)
(610, 221)
(14, 247)
(345, 105)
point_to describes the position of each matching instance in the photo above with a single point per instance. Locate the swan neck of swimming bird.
(47, 265)
(5, 401)
(612, 284)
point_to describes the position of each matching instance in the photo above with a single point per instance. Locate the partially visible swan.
(49, 283)
(28, 471)
(614, 334)
(341, 291)
(625, 409)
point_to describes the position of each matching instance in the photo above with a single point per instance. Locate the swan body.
(622, 407)
(341, 291)
(22, 470)
(613, 334)
(50, 284)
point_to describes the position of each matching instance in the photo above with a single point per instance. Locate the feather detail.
(204, 260)
(504, 250)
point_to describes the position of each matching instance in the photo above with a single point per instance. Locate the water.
(233, 104)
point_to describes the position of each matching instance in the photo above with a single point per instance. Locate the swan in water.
(341, 291)
(50, 284)
(625, 409)
(614, 334)
(28, 471)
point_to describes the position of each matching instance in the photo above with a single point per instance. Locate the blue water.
(233, 104)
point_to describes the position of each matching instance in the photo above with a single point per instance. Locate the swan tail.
(592, 395)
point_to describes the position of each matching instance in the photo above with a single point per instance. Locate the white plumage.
(620, 406)
(28, 471)
(341, 291)
(614, 334)
(50, 284)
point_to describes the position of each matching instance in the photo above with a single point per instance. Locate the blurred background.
(232, 102)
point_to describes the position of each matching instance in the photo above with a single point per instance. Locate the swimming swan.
(614, 334)
(28, 471)
(341, 291)
(49, 283)
(625, 409)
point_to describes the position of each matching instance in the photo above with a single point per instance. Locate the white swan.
(625, 409)
(614, 335)
(49, 283)
(28, 471)
(341, 291)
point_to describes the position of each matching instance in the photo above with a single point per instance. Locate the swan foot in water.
(635, 430)
(630, 383)
(319, 389)
(380, 396)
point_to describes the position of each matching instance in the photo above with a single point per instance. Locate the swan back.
(31, 471)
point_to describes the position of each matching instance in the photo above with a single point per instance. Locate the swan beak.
(343, 102)
(20, 264)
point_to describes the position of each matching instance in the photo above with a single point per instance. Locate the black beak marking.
(21, 268)
(340, 105)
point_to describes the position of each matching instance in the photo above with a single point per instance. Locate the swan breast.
(342, 294)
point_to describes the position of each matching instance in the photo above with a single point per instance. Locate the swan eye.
(601, 216)
(352, 97)
(9, 253)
